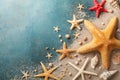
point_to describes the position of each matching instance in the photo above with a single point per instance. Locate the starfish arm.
(59, 51)
(64, 45)
(61, 57)
(46, 78)
(53, 69)
(71, 50)
(79, 21)
(97, 13)
(85, 64)
(105, 56)
(73, 65)
(88, 48)
(43, 66)
(78, 27)
(104, 10)
(53, 77)
(69, 21)
(74, 17)
(103, 2)
(93, 29)
(40, 75)
(82, 75)
(116, 43)
(72, 26)
(95, 2)
(76, 76)
(91, 73)
(111, 27)
(92, 8)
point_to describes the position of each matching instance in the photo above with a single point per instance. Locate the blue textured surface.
(26, 28)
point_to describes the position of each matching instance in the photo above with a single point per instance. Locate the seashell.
(115, 3)
(106, 75)
(94, 61)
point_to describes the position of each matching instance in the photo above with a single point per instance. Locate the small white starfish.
(49, 55)
(56, 29)
(80, 7)
(82, 70)
(75, 23)
(25, 74)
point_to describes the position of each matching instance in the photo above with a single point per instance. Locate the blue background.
(26, 28)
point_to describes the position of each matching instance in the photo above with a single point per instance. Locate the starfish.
(82, 71)
(80, 7)
(76, 35)
(56, 29)
(47, 73)
(25, 74)
(98, 7)
(103, 40)
(75, 23)
(65, 52)
(49, 55)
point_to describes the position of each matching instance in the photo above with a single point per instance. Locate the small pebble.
(79, 60)
(60, 36)
(53, 48)
(110, 11)
(75, 55)
(61, 40)
(85, 38)
(67, 36)
(80, 42)
(76, 62)
(50, 64)
(70, 74)
(103, 23)
(47, 48)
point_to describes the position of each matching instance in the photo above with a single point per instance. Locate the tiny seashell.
(70, 74)
(94, 61)
(106, 75)
(77, 63)
(67, 36)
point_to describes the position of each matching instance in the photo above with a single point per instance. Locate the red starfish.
(98, 7)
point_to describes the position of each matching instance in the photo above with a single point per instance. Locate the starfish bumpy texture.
(75, 23)
(98, 7)
(82, 70)
(103, 41)
(65, 52)
(47, 73)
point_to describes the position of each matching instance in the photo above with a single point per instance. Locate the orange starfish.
(103, 40)
(65, 52)
(47, 73)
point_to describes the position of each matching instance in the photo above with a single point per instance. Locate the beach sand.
(104, 18)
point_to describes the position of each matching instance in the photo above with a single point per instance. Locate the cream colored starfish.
(76, 35)
(25, 74)
(80, 7)
(47, 73)
(65, 52)
(49, 55)
(82, 70)
(75, 23)
(103, 40)
(56, 29)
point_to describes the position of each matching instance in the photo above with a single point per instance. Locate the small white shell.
(94, 62)
(106, 75)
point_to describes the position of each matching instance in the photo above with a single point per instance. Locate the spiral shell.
(115, 3)
(106, 75)
(94, 62)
